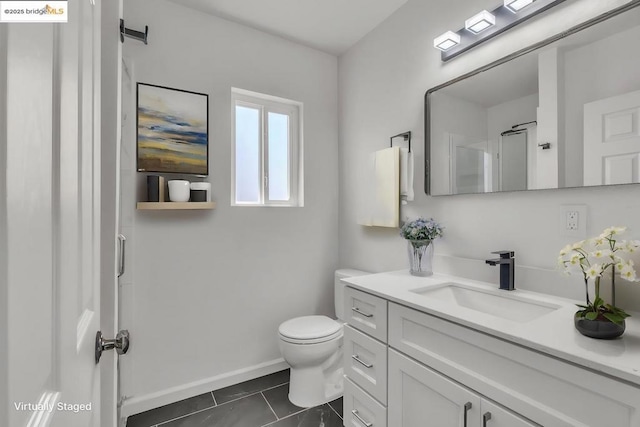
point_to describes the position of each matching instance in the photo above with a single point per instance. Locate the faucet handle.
(505, 254)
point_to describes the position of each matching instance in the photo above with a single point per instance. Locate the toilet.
(312, 346)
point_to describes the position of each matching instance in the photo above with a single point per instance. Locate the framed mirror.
(562, 113)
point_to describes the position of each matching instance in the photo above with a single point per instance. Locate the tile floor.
(260, 402)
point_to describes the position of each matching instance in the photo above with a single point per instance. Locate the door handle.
(486, 417)
(121, 343)
(121, 241)
(467, 406)
(362, 420)
(362, 362)
(362, 313)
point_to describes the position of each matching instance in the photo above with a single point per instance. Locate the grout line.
(269, 405)
(214, 399)
(253, 393)
(288, 416)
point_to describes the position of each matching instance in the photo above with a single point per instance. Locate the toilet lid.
(309, 327)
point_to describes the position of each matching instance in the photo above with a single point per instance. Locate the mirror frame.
(427, 101)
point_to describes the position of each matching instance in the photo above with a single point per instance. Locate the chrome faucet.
(507, 269)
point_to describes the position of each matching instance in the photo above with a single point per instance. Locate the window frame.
(266, 104)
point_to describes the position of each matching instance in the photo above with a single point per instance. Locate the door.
(50, 219)
(612, 140)
(419, 397)
(470, 165)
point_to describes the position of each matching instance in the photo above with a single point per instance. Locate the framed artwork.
(173, 130)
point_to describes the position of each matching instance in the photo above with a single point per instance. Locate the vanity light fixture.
(446, 41)
(480, 22)
(488, 24)
(516, 5)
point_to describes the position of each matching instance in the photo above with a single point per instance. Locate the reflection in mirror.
(564, 115)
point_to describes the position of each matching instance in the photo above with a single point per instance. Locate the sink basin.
(498, 303)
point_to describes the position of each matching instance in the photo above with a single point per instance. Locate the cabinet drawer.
(360, 409)
(366, 312)
(365, 363)
(543, 389)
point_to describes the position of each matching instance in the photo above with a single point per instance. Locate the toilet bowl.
(312, 346)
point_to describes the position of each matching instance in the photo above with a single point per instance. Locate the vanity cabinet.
(420, 396)
(407, 368)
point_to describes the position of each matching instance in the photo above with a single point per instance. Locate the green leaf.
(613, 318)
(591, 315)
(582, 306)
(598, 302)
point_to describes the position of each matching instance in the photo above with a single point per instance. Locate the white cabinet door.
(496, 416)
(419, 397)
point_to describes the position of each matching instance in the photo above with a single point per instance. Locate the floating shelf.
(168, 206)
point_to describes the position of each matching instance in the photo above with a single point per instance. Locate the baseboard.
(138, 404)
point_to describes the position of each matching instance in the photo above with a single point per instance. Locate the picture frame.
(172, 130)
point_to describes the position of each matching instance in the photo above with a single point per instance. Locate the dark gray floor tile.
(251, 411)
(168, 412)
(337, 405)
(278, 398)
(252, 386)
(320, 416)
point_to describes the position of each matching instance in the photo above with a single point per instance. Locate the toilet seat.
(309, 330)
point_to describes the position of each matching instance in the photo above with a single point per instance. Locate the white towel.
(406, 175)
(381, 192)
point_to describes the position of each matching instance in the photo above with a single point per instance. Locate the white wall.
(206, 291)
(596, 71)
(382, 83)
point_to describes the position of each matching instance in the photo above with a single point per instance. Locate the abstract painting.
(173, 130)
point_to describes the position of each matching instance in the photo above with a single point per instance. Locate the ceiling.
(332, 26)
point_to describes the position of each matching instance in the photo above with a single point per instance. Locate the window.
(267, 150)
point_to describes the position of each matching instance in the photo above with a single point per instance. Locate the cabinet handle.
(467, 406)
(365, 423)
(486, 417)
(362, 362)
(357, 310)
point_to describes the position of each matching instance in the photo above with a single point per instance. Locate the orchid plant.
(593, 257)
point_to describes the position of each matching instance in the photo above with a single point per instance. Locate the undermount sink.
(497, 303)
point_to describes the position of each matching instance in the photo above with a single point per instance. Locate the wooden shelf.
(164, 206)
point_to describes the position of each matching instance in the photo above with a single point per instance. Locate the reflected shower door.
(470, 165)
(513, 161)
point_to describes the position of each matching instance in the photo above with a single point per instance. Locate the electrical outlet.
(573, 221)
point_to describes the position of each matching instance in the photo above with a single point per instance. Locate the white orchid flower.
(577, 245)
(601, 253)
(594, 271)
(613, 231)
(598, 241)
(628, 273)
(565, 250)
(631, 246)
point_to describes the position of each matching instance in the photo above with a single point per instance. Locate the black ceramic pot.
(599, 329)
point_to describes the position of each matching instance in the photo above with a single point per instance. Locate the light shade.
(480, 22)
(446, 41)
(516, 5)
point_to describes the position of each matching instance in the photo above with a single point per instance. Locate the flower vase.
(420, 257)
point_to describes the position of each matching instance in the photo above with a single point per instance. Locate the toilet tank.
(339, 288)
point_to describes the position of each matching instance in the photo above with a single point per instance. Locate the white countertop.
(553, 333)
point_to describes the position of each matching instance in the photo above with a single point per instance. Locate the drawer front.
(360, 409)
(365, 363)
(366, 312)
(541, 388)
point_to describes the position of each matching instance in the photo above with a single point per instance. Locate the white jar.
(179, 190)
